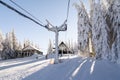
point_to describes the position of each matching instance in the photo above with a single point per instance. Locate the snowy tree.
(27, 43)
(103, 8)
(70, 45)
(14, 41)
(19, 46)
(50, 48)
(30, 43)
(15, 44)
(99, 30)
(104, 25)
(36, 46)
(113, 22)
(7, 51)
(10, 46)
(83, 28)
(1, 40)
(75, 47)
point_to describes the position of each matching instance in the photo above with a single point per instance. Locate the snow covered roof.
(29, 47)
(62, 45)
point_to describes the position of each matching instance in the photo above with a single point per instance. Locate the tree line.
(99, 29)
(72, 46)
(10, 46)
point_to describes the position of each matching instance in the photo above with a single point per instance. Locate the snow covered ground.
(72, 68)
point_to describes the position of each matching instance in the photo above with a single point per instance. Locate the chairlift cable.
(20, 13)
(68, 9)
(25, 11)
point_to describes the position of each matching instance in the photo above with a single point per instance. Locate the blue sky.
(52, 10)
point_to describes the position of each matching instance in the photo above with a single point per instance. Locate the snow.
(30, 48)
(104, 24)
(83, 27)
(19, 68)
(99, 31)
(71, 68)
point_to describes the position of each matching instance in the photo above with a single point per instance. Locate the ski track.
(18, 72)
(61, 71)
(74, 68)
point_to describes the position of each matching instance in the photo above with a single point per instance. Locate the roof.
(30, 48)
(62, 45)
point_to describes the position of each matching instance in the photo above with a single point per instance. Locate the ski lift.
(57, 29)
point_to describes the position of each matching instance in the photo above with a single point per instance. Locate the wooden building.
(63, 49)
(29, 51)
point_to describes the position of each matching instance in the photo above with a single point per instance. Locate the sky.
(54, 11)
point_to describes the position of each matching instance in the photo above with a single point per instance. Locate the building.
(63, 49)
(29, 51)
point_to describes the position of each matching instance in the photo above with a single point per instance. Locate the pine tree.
(105, 28)
(10, 46)
(19, 46)
(7, 51)
(1, 40)
(15, 44)
(99, 30)
(50, 48)
(75, 48)
(113, 21)
(14, 41)
(83, 28)
(27, 43)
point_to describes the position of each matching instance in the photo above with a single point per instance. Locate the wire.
(25, 11)
(68, 9)
(20, 13)
(68, 6)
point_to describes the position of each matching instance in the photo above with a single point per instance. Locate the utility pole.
(56, 30)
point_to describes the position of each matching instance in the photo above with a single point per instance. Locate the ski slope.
(71, 68)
